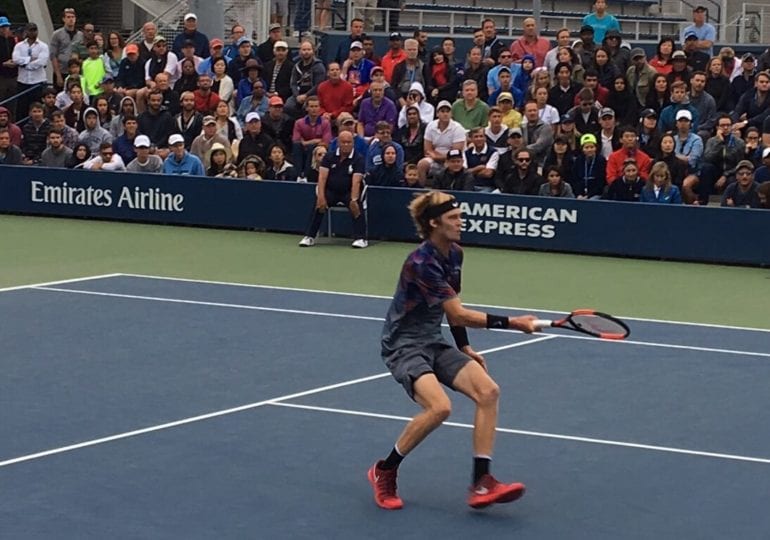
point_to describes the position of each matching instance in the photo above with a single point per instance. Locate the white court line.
(224, 412)
(377, 319)
(59, 282)
(605, 442)
(380, 297)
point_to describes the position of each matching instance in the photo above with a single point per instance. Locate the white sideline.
(59, 282)
(605, 442)
(377, 319)
(224, 412)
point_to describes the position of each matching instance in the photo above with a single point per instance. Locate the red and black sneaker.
(384, 485)
(489, 491)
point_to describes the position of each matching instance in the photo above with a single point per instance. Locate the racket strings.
(598, 325)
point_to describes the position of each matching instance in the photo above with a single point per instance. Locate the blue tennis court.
(148, 407)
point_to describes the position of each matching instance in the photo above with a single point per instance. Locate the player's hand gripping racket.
(593, 323)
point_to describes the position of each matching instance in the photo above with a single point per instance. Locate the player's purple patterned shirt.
(427, 280)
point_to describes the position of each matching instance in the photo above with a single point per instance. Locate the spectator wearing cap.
(704, 32)
(255, 141)
(130, 76)
(511, 118)
(743, 79)
(206, 100)
(649, 136)
(661, 62)
(411, 70)
(469, 111)
(587, 47)
(696, 59)
(180, 161)
(62, 41)
(216, 50)
(94, 135)
(157, 123)
(507, 159)
(31, 56)
(357, 71)
(378, 75)
(56, 153)
(640, 76)
(721, 155)
(191, 32)
(744, 192)
(346, 122)
(335, 94)
(306, 75)
(441, 135)
(562, 95)
(628, 186)
(124, 144)
(601, 21)
(688, 148)
(762, 173)
(589, 171)
(276, 123)
(620, 56)
(107, 86)
(201, 145)
(189, 121)
(105, 159)
(562, 40)
(522, 178)
(266, 49)
(482, 160)
(251, 75)
(585, 115)
(93, 70)
(394, 56)
(278, 71)
(454, 176)
(628, 151)
(680, 71)
(308, 132)
(537, 134)
(679, 101)
(8, 69)
(244, 52)
(161, 61)
(144, 162)
(530, 43)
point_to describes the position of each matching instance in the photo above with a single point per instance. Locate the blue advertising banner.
(727, 235)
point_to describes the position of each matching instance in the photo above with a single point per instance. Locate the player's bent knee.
(440, 411)
(488, 394)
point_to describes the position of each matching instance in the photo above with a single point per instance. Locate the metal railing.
(168, 22)
(15, 98)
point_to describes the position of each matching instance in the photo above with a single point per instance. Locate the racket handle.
(543, 323)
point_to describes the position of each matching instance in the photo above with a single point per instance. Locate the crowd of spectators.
(590, 116)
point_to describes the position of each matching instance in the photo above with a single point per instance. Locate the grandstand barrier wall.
(723, 235)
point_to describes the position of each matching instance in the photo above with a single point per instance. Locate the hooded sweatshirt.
(13, 129)
(427, 111)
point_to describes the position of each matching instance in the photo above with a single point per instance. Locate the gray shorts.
(409, 363)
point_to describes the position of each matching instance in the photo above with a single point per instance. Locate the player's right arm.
(459, 315)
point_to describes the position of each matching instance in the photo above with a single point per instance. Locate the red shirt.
(616, 159)
(539, 48)
(206, 105)
(335, 98)
(390, 60)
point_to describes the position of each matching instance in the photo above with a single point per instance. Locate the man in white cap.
(441, 135)
(277, 72)
(688, 148)
(255, 142)
(180, 161)
(144, 162)
(191, 33)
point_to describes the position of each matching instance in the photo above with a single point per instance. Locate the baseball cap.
(216, 42)
(132, 48)
(690, 35)
(586, 29)
(588, 138)
(209, 120)
(188, 43)
(176, 138)
(4, 22)
(280, 45)
(503, 69)
(274, 26)
(766, 152)
(251, 63)
(275, 101)
(684, 113)
(158, 39)
(745, 164)
(648, 113)
(108, 78)
(637, 52)
(243, 40)
(567, 118)
(376, 68)
(142, 141)
(454, 153)
(514, 131)
(90, 110)
(253, 116)
(394, 36)
(748, 57)
(606, 111)
(505, 96)
(356, 45)
(697, 9)
(612, 34)
(442, 104)
(191, 16)
(344, 118)
(679, 55)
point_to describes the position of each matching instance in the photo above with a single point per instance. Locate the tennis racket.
(593, 323)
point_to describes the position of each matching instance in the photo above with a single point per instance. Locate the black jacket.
(511, 181)
(283, 81)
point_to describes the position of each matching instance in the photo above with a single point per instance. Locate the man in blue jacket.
(180, 161)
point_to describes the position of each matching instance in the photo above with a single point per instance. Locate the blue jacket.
(189, 166)
(374, 155)
(670, 196)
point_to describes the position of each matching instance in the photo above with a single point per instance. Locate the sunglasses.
(524, 160)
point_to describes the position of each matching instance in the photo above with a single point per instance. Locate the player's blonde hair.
(420, 203)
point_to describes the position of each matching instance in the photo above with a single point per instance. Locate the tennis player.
(421, 359)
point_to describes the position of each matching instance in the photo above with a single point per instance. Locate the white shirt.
(444, 140)
(171, 68)
(493, 159)
(606, 145)
(31, 60)
(115, 164)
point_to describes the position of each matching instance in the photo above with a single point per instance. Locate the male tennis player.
(421, 359)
